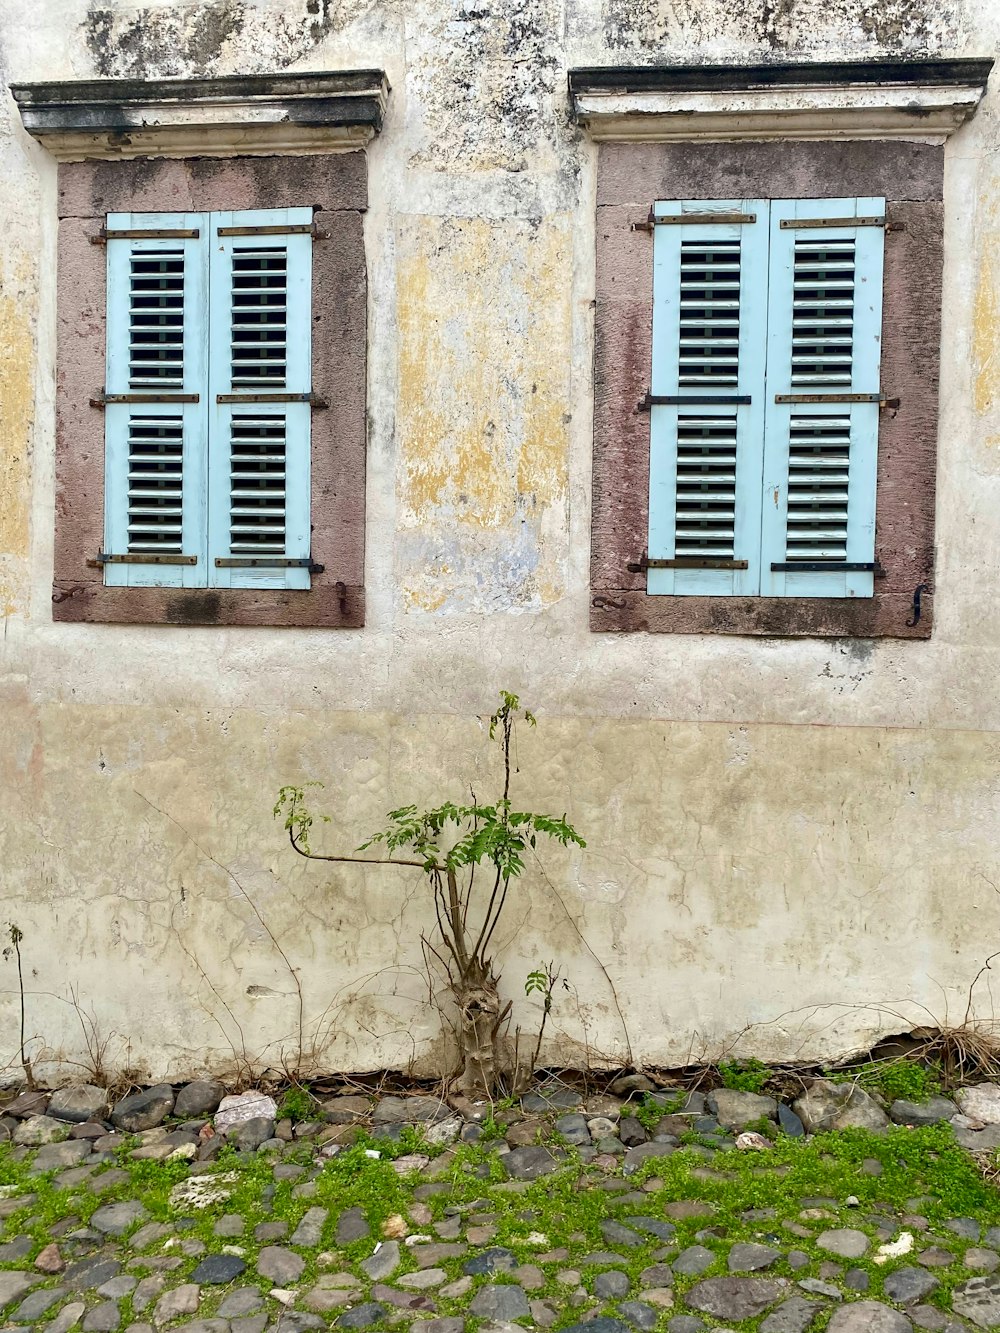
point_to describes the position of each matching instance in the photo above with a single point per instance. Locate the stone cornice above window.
(908, 99)
(245, 115)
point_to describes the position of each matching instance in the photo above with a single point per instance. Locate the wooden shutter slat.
(824, 326)
(155, 437)
(706, 399)
(260, 390)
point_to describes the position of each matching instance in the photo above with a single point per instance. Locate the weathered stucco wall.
(781, 832)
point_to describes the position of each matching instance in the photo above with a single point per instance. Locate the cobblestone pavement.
(563, 1215)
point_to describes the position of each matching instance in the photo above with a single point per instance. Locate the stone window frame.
(697, 133)
(221, 145)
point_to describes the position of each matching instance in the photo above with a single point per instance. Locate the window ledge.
(910, 99)
(221, 117)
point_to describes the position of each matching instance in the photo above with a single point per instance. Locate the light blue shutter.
(823, 387)
(260, 383)
(155, 410)
(707, 396)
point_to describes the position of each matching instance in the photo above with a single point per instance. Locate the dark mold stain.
(197, 608)
(652, 26)
(181, 40)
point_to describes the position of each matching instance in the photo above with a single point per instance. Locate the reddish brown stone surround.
(630, 177)
(336, 187)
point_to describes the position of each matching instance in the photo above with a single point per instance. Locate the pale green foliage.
(495, 833)
(447, 842)
(291, 803)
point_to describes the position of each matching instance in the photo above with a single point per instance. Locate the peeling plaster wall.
(793, 838)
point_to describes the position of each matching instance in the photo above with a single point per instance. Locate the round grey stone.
(931, 1112)
(641, 1315)
(642, 1152)
(409, 1110)
(35, 1305)
(144, 1110)
(117, 1287)
(600, 1325)
(530, 1163)
(496, 1260)
(83, 1102)
(104, 1318)
(216, 1269)
(240, 1302)
(735, 1110)
(87, 1273)
(39, 1129)
(617, 1234)
(657, 1275)
(844, 1242)
(827, 1105)
(500, 1302)
(574, 1129)
(868, 1317)
(309, 1232)
(248, 1135)
(694, 1260)
(908, 1284)
(736, 1298)
(352, 1225)
(978, 1299)
(280, 1265)
(612, 1285)
(363, 1316)
(114, 1219)
(981, 1102)
(746, 1257)
(198, 1098)
(383, 1263)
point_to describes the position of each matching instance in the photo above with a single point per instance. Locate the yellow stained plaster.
(986, 328)
(17, 413)
(485, 347)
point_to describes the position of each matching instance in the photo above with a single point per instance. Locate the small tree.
(448, 844)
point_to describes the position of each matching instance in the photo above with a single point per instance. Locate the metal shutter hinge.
(693, 220)
(268, 562)
(829, 567)
(683, 562)
(138, 234)
(313, 399)
(102, 399)
(700, 399)
(883, 402)
(142, 558)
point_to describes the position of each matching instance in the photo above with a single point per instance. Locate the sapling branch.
(448, 843)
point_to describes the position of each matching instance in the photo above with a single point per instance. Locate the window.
(855, 481)
(211, 378)
(765, 397)
(207, 404)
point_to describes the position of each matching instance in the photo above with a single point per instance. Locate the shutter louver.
(706, 487)
(709, 313)
(259, 317)
(257, 486)
(261, 382)
(156, 319)
(707, 399)
(155, 439)
(155, 485)
(818, 469)
(824, 329)
(822, 313)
